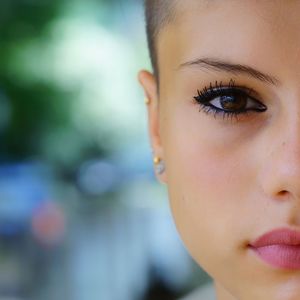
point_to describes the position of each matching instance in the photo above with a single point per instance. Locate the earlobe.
(148, 82)
(160, 169)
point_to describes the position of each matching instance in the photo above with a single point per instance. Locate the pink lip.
(280, 248)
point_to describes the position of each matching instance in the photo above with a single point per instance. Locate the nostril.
(282, 193)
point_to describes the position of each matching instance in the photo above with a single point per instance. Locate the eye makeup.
(228, 101)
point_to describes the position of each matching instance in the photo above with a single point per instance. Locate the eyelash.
(208, 94)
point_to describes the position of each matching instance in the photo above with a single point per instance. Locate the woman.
(224, 122)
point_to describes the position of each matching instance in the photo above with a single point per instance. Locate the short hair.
(158, 14)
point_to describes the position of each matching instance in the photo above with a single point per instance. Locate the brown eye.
(237, 102)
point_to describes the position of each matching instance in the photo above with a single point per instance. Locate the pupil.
(233, 102)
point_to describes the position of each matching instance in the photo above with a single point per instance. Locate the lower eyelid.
(229, 116)
(245, 118)
(224, 116)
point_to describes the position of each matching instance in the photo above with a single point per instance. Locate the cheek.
(209, 177)
(205, 184)
(206, 163)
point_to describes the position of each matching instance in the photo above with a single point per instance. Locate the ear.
(148, 82)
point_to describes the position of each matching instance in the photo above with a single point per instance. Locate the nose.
(280, 172)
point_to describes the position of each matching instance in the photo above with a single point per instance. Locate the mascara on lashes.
(208, 94)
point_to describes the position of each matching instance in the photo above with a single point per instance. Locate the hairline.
(155, 25)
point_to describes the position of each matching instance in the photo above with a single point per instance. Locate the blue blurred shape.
(22, 190)
(97, 177)
(10, 228)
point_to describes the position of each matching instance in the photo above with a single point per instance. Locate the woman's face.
(232, 177)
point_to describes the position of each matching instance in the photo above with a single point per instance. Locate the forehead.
(252, 32)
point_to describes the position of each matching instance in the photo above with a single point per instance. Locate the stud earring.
(147, 101)
(159, 165)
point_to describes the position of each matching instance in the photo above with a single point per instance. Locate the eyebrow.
(224, 66)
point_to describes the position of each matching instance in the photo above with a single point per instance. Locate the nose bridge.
(284, 159)
(289, 135)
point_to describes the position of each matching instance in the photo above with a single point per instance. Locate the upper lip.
(281, 236)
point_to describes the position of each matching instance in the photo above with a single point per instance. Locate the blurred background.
(81, 214)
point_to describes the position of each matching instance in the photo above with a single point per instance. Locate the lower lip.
(280, 256)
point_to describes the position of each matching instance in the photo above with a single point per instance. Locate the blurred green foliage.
(35, 107)
(38, 109)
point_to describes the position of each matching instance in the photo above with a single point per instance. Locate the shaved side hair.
(158, 14)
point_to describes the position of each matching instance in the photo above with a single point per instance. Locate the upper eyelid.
(252, 93)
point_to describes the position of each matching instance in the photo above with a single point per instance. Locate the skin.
(231, 180)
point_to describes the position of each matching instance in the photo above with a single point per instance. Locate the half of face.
(226, 122)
